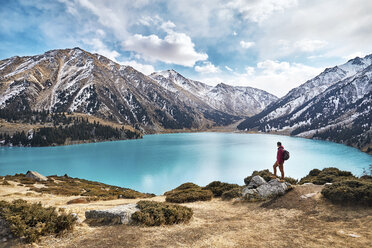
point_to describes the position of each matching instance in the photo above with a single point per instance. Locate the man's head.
(279, 144)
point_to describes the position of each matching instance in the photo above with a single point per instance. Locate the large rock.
(256, 182)
(36, 176)
(265, 190)
(118, 215)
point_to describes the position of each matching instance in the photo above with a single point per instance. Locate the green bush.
(231, 194)
(267, 175)
(314, 172)
(189, 195)
(158, 213)
(30, 221)
(188, 192)
(183, 186)
(356, 191)
(218, 188)
(327, 175)
(291, 180)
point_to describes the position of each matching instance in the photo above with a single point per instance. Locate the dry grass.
(285, 222)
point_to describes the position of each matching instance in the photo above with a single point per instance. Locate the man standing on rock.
(279, 160)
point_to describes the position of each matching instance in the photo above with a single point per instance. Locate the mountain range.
(74, 80)
(335, 105)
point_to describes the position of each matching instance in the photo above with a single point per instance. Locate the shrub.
(67, 186)
(132, 194)
(357, 191)
(188, 192)
(189, 195)
(183, 186)
(314, 172)
(291, 180)
(231, 194)
(327, 175)
(265, 174)
(158, 213)
(219, 188)
(30, 221)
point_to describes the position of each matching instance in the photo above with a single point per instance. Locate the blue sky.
(273, 45)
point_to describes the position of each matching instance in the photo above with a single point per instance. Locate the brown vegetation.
(158, 213)
(30, 221)
(188, 192)
(218, 188)
(67, 186)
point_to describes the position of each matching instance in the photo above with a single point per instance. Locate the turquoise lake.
(158, 163)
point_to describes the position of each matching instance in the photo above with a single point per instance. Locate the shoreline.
(80, 142)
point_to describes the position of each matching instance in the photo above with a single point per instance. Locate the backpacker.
(285, 155)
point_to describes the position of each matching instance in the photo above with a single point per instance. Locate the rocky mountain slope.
(236, 100)
(335, 105)
(73, 80)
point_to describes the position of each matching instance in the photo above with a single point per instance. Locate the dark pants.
(280, 168)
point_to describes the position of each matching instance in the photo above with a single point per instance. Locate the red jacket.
(279, 155)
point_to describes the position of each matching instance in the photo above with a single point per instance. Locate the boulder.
(256, 181)
(36, 176)
(265, 190)
(118, 215)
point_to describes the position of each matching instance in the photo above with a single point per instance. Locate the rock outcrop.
(259, 189)
(118, 215)
(36, 176)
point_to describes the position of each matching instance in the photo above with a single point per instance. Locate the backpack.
(285, 154)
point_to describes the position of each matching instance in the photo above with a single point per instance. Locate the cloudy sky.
(273, 45)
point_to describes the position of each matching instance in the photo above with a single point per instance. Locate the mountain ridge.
(74, 80)
(334, 103)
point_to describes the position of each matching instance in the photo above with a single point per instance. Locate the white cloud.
(275, 77)
(246, 44)
(334, 29)
(270, 66)
(228, 68)
(100, 48)
(168, 26)
(176, 48)
(235, 33)
(249, 70)
(353, 55)
(145, 69)
(307, 45)
(207, 67)
(259, 10)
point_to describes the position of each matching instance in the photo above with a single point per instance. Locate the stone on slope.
(36, 176)
(266, 190)
(118, 215)
(255, 182)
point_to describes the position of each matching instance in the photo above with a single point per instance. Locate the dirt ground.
(288, 221)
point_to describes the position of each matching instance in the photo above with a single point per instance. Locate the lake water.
(158, 163)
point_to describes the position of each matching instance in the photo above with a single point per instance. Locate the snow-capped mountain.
(338, 97)
(73, 80)
(236, 100)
